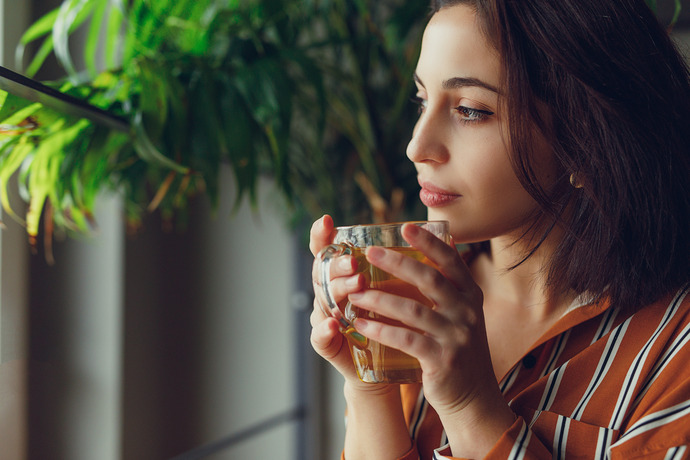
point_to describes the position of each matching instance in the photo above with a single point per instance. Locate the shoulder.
(658, 411)
(667, 316)
(656, 332)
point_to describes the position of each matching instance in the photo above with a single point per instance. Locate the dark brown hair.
(617, 98)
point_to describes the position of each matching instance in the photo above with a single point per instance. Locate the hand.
(326, 337)
(449, 339)
(376, 424)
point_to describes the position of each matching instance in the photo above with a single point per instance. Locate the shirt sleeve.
(409, 455)
(662, 430)
(412, 454)
(517, 442)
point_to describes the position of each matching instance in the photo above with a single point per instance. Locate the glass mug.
(374, 363)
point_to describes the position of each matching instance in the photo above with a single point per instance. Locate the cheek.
(548, 171)
(490, 171)
(494, 203)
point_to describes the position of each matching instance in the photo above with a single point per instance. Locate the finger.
(342, 281)
(408, 311)
(413, 343)
(344, 265)
(430, 281)
(340, 288)
(443, 255)
(321, 234)
(326, 338)
(317, 316)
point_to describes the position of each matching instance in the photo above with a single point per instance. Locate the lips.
(433, 196)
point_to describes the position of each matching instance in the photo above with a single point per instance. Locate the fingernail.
(375, 253)
(352, 281)
(345, 263)
(361, 324)
(412, 229)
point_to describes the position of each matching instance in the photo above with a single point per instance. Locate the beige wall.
(13, 284)
(151, 345)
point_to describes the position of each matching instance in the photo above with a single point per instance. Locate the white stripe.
(607, 358)
(560, 438)
(635, 370)
(536, 415)
(418, 414)
(656, 420)
(510, 379)
(677, 345)
(520, 447)
(606, 323)
(556, 353)
(603, 443)
(579, 301)
(675, 453)
(550, 391)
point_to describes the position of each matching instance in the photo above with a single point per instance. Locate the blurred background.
(181, 329)
(155, 336)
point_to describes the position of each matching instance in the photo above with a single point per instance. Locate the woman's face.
(460, 143)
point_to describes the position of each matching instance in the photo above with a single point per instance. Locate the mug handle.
(330, 308)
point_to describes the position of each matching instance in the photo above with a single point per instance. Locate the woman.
(555, 138)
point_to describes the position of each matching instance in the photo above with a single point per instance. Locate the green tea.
(373, 361)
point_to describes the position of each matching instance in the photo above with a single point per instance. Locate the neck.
(524, 286)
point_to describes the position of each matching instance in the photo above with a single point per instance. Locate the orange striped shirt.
(600, 384)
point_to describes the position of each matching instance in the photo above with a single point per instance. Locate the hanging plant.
(312, 94)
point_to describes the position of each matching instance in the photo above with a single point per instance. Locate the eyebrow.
(461, 82)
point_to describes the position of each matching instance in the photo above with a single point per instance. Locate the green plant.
(311, 93)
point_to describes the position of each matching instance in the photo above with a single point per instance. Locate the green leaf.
(71, 14)
(205, 140)
(40, 57)
(44, 176)
(42, 27)
(154, 97)
(312, 75)
(97, 166)
(176, 131)
(10, 163)
(114, 34)
(11, 106)
(147, 151)
(676, 12)
(22, 114)
(256, 85)
(93, 38)
(240, 132)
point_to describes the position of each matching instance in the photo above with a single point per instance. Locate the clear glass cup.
(375, 363)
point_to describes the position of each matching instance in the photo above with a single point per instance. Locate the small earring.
(575, 181)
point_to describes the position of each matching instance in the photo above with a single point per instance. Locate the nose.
(428, 143)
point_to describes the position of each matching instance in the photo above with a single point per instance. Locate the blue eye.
(470, 115)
